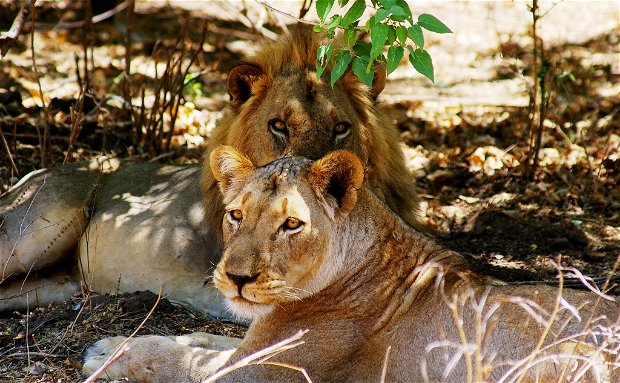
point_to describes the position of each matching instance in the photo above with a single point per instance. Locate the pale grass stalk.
(547, 329)
(385, 364)
(262, 357)
(599, 294)
(546, 358)
(460, 350)
(27, 329)
(478, 308)
(123, 347)
(520, 367)
(458, 320)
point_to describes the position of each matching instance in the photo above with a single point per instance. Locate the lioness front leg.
(186, 358)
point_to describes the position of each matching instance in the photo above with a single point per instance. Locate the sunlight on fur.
(384, 286)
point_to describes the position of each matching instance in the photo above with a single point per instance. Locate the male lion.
(280, 107)
(142, 226)
(307, 248)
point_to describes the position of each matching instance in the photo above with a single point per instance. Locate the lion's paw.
(99, 353)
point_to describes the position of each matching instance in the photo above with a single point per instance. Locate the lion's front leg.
(160, 359)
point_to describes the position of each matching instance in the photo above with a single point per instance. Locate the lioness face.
(278, 228)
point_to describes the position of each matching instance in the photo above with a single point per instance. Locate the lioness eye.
(292, 224)
(235, 215)
(341, 129)
(277, 127)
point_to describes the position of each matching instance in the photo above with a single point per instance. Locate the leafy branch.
(391, 26)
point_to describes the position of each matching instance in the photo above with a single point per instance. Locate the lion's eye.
(278, 127)
(341, 129)
(292, 224)
(235, 215)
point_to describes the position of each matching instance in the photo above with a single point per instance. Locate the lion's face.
(280, 107)
(297, 113)
(278, 228)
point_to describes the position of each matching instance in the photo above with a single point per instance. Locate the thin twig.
(123, 347)
(262, 356)
(126, 87)
(27, 327)
(94, 19)
(546, 330)
(33, 353)
(264, 4)
(7, 39)
(8, 150)
(76, 113)
(46, 129)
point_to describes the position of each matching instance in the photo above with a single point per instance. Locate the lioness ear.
(230, 168)
(338, 174)
(240, 81)
(378, 81)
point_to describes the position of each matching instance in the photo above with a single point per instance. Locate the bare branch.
(7, 39)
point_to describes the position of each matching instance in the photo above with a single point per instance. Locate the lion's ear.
(338, 174)
(230, 168)
(240, 80)
(378, 81)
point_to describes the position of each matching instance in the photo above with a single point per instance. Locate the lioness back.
(280, 107)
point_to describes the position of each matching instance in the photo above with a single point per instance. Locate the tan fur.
(280, 81)
(146, 229)
(361, 280)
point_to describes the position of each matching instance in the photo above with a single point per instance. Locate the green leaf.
(323, 54)
(391, 35)
(381, 15)
(405, 7)
(378, 35)
(323, 7)
(342, 3)
(387, 3)
(395, 54)
(317, 28)
(398, 18)
(364, 69)
(397, 11)
(416, 35)
(431, 23)
(350, 36)
(342, 60)
(354, 13)
(421, 61)
(401, 35)
(361, 48)
(334, 22)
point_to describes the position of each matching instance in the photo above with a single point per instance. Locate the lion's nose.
(241, 280)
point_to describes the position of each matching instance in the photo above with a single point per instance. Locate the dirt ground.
(464, 138)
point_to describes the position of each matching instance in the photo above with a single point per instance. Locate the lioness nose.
(241, 280)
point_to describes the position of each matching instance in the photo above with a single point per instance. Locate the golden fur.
(148, 229)
(306, 248)
(280, 82)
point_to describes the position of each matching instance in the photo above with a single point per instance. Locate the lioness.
(306, 247)
(144, 227)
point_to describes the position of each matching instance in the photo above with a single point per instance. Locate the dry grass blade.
(8, 150)
(385, 364)
(262, 357)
